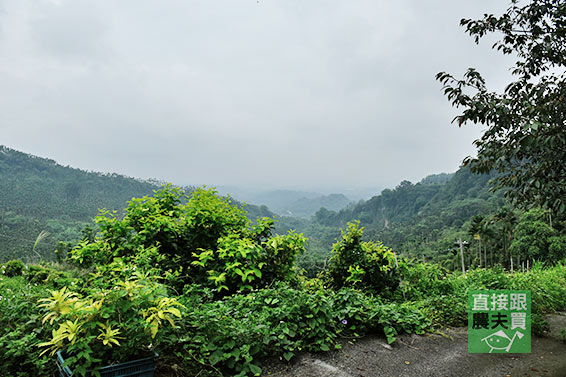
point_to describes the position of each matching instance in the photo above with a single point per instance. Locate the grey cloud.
(278, 93)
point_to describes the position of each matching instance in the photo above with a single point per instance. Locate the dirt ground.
(435, 355)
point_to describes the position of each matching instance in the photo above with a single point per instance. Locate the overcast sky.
(306, 94)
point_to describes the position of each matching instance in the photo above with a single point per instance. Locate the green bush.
(443, 296)
(279, 255)
(547, 286)
(52, 275)
(364, 265)
(397, 318)
(445, 310)
(207, 241)
(557, 248)
(14, 268)
(484, 278)
(37, 274)
(533, 236)
(231, 335)
(423, 280)
(241, 264)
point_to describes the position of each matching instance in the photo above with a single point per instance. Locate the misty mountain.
(307, 207)
(292, 203)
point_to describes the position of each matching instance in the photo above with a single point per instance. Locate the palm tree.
(506, 220)
(487, 233)
(476, 230)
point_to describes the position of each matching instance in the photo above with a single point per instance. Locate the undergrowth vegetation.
(214, 294)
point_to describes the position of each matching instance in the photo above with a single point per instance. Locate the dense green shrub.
(240, 263)
(52, 275)
(206, 240)
(422, 280)
(37, 274)
(365, 265)
(482, 278)
(445, 310)
(443, 297)
(395, 319)
(547, 286)
(231, 335)
(14, 268)
(279, 255)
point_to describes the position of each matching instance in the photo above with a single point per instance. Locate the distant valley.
(292, 203)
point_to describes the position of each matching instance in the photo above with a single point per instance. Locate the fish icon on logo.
(501, 341)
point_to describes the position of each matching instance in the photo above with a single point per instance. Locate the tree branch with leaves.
(525, 141)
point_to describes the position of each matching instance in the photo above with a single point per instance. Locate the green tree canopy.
(532, 236)
(525, 140)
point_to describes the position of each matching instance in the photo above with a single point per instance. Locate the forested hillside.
(37, 194)
(450, 201)
(429, 228)
(417, 220)
(426, 221)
